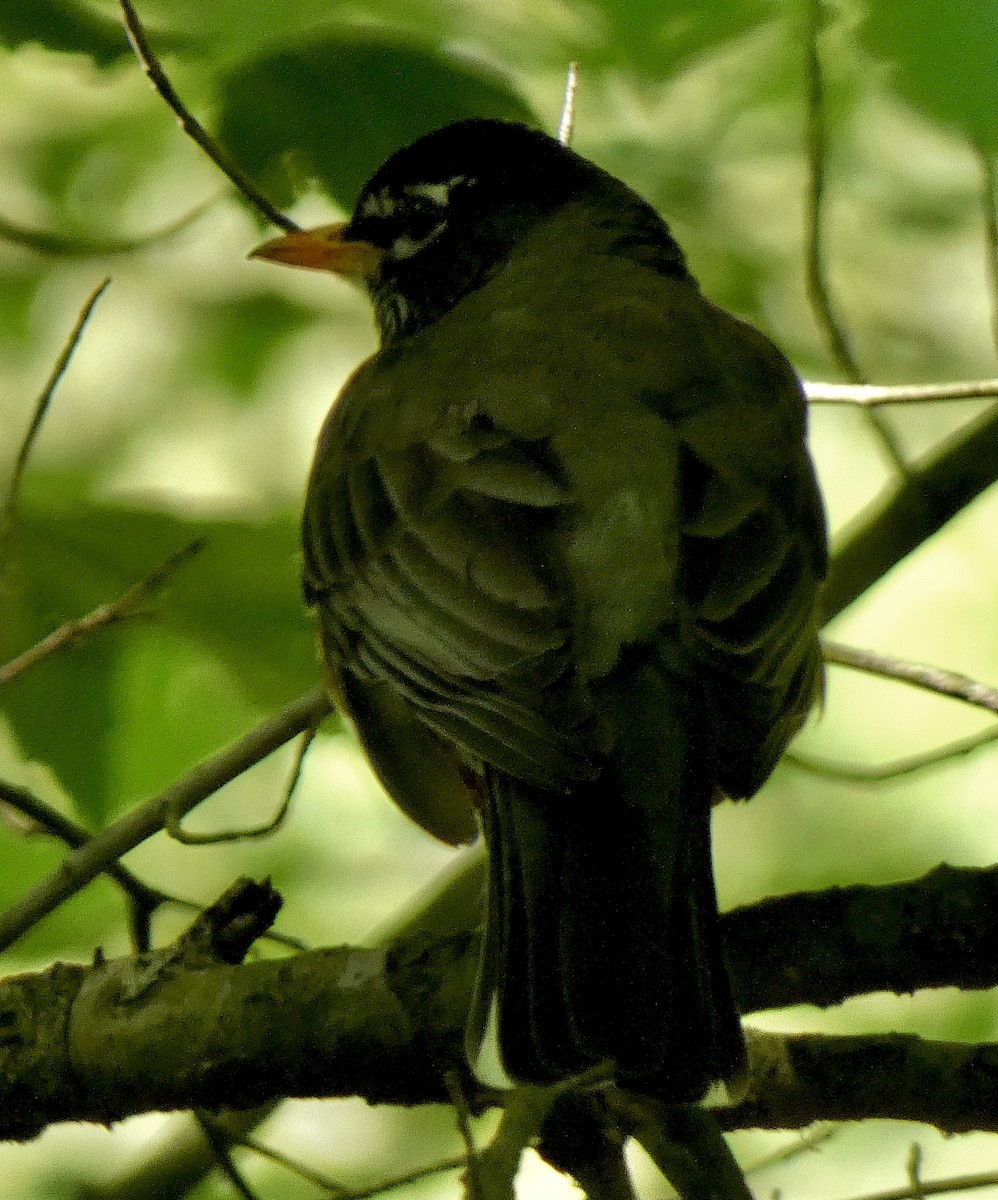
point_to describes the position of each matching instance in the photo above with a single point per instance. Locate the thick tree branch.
(809, 1077)
(165, 1032)
(822, 947)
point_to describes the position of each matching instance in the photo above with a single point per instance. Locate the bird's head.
(441, 216)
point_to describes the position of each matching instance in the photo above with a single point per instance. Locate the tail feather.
(602, 939)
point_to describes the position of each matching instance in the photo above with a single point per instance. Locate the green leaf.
(944, 52)
(63, 25)
(334, 108)
(660, 36)
(237, 606)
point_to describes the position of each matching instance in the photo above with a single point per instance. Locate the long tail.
(602, 939)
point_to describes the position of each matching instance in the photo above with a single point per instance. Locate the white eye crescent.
(436, 193)
(406, 245)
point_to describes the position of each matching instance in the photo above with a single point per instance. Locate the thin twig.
(989, 202)
(915, 1170)
(178, 833)
(817, 282)
(818, 288)
(811, 1139)
(8, 515)
(218, 1140)
(866, 395)
(932, 679)
(85, 863)
(937, 1187)
(122, 609)
(566, 126)
(143, 899)
(899, 767)
(192, 127)
(67, 246)
(472, 1176)
(337, 1191)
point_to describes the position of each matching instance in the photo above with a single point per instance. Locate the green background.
(192, 404)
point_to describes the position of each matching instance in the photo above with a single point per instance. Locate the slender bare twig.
(218, 1140)
(932, 679)
(86, 862)
(122, 609)
(192, 127)
(937, 1187)
(867, 395)
(337, 1191)
(68, 246)
(178, 833)
(143, 899)
(818, 288)
(566, 126)
(817, 282)
(8, 514)
(471, 1177)
(989, 202)
(802, 1144)
(897, 768)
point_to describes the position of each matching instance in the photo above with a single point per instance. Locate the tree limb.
(164, 1032)
(892, 528)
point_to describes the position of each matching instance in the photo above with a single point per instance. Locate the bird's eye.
(421, 221)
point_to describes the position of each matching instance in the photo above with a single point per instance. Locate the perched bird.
(564, 541)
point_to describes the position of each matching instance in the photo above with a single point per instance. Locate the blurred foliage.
(280, 110)
(942, 57)
(191, 407)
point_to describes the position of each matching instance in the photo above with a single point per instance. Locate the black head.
(441, 216)
(447, 210)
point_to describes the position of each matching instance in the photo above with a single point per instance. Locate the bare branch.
(895, 526)
(83, 246)
(178, 833)
(932, 679)
(818, 289)
(122, 609)
(336, 1190)
(816, 947)
(8, 515)
(168, 1032)
(192, 127)
(937, 1187)
(867, 395)
(88, 861)
(218, 1140)
(989, 203)
(566, 126)
(796, 1080)
(898, 768)
(144, 900)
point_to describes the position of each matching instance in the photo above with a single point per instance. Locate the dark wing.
(442, 617)
(753, 552)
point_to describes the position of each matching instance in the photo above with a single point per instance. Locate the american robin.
(564, 541)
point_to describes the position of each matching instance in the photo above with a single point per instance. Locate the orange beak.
(323, 249)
